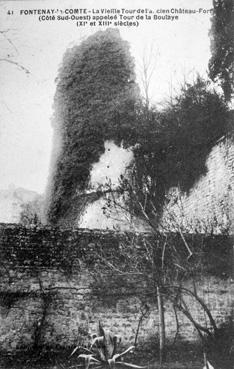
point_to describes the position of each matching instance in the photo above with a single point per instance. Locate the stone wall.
(208, 207)
(47, 277)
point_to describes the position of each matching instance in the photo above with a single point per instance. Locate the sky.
(179, 49)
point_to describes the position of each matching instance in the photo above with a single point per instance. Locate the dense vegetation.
(94, 101)
(173, 144)
(97, 99)
(221, 65)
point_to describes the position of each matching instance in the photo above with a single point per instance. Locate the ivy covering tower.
(94, 101)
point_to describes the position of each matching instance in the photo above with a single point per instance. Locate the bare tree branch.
(15, 63)
(9, 40)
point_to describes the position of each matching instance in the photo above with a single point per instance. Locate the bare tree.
(147, 68)
(165, 263)
(11, 53)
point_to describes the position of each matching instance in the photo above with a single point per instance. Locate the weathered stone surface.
(208, 207)
(50, 272)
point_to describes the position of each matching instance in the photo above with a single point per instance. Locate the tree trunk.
(162, 334)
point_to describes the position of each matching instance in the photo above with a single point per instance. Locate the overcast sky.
(180, 48)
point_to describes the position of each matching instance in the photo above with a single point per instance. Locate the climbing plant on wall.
(97, 99)
(94, 101)
(173, 144)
